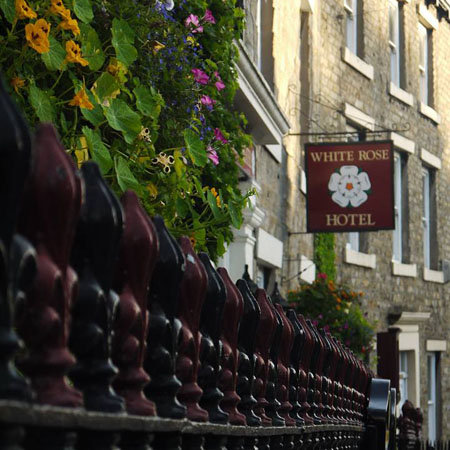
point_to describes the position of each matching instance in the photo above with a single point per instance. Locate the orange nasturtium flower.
(70, 24)
(36, 35)
(73, 53)
(59, 9)
(81, 99)
(23, 11)
(17, 83)
(216, 195)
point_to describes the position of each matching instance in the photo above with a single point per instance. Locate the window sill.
(434, 276)
(360, 259)
(404, 270)
(400, 94)
(429, 112)
(357, 63)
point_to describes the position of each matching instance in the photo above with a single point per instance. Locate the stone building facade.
(356, 66)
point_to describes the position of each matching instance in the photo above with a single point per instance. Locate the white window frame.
(432, 396)
(397, 244)
(424, 68)
(351, 32)
(394, 41)
(403, 378)
(426, 191)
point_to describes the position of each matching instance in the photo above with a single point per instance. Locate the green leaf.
(105, 88)
(234, 216)
(63, 122)
(212, 201)
(94, 116)
(196, 148)
(40, 100)
(125, 177)
(99, 152)
(83, 10)
(122, 118)
(123, 41)
(7, 6)
(54, 59)
(147, 103)
(181, 207)
(220, 245)
(92, 47)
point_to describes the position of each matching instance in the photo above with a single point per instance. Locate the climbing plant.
(145, 88)
(324, 254)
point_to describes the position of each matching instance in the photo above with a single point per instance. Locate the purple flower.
(219, 136)
(320, 316)
(212, 155)
(198, 30)
(200, 76)
(207, 100)
(345, 325)
(208, 17)
(326, 328)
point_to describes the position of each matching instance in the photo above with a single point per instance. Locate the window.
(354, 30)
(396, 41)
(264, 277)
(429, 219)
(425, 65)
(265, 43)
(400, 236)
(432, 396)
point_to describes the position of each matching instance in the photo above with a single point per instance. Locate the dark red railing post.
(137, 257)
(192, 295)
(49, 213)
(232, 315)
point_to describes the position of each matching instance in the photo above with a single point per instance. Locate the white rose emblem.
(349, 186)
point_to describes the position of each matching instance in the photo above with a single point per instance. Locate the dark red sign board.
(350, 186)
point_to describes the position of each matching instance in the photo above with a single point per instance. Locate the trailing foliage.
(324, 254)
(337, 309)
(143, 88)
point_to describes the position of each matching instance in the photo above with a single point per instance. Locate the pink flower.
(219, 83)
(193, 22)
(207, 100)
(212, 155)
(322, 276)
(208, 17)
(219, 136)
(192, 19)
(200, 76)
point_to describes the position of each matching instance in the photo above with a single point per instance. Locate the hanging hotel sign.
(350, 186)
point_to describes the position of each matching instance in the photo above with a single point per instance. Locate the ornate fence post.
(232, 315)
(162, 336)
(138, 252)
(94, 257)
(161, 340)
(17, 256)
(211, 348)
(246, 344)
(211, 352)
(192, 295)
(49, 212)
